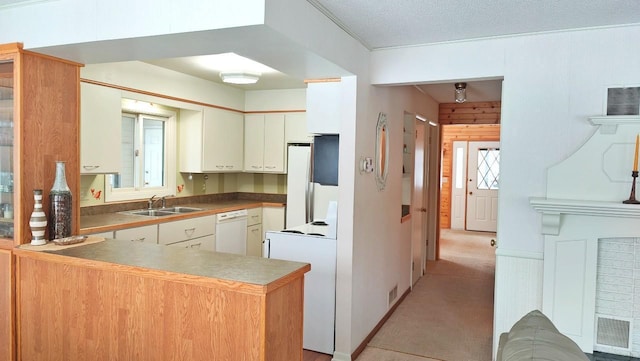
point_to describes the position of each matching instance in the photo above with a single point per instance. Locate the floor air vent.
(612, 332)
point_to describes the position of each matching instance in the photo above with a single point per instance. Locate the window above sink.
(148, 148)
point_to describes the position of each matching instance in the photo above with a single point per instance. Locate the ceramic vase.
(38, 220)
(60, 205)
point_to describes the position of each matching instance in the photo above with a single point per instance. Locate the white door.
(418, 219)
(482, 187)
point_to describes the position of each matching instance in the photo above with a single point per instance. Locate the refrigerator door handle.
(310, 191)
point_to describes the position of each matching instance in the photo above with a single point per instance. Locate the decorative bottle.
(38, 220)
(60, 205)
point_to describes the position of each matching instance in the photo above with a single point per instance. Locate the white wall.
(142, 76)
(552, 83)
(278, 99)
(381, 244)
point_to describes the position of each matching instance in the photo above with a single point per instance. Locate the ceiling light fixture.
(239, 77)
(461, 92)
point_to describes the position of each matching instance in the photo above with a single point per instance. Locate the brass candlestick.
(632, 196)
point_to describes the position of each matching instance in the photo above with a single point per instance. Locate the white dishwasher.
(231, 232)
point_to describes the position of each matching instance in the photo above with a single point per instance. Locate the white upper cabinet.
(254, 142)
(295, 128)
(264, 143)
(100, 129)
(211, 140)
(324, 107)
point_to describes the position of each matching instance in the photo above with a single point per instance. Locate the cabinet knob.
(493, 243)
(90, 167)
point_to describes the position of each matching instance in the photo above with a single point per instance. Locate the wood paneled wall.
(470, 113)
(463, 122)
(49, 128)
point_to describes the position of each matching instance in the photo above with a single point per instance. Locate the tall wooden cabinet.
(39, 125)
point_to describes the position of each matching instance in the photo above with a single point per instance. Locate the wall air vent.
(393, 294)
(612, 332)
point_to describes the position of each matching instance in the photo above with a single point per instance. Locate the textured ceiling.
(380, 24)
(383, 24)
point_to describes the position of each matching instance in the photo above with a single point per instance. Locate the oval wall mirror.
(382, 151)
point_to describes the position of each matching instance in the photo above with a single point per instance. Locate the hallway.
(449, 313)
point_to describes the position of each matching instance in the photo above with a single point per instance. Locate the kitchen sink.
(180, 209)
(161, 212)
(151, 213)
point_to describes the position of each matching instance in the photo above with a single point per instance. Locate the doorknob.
(493, 243)
(424, 210)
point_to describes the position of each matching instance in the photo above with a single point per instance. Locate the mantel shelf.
(552, 210)
(609, 123)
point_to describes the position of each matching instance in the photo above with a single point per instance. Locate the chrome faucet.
(164, 200)
(151, 201)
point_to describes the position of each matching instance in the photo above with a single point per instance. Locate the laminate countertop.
(143, 257)
(120, 220)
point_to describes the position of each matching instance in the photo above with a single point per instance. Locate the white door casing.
(418, 219)
(482, 193)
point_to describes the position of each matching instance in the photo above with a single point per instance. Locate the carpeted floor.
(449, 313)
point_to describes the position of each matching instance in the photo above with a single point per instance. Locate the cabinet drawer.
(148, 234)
(206, 243)
(254, 216)
(176, 231)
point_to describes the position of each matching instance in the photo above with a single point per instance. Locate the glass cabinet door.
(6, 148)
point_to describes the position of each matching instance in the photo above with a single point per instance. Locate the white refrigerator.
(306, 201)
(319, 282)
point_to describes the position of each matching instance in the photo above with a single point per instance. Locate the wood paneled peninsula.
(121, 300)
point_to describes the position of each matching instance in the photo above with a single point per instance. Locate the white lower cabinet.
(190, 229)
(272, 219)
(254, 240)
(206, 243)
(147, 234)
(254, 232)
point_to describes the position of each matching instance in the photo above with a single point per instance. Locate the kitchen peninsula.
(122, 300)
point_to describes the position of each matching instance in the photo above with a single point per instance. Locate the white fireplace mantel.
(553, 210)
(583, 204)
